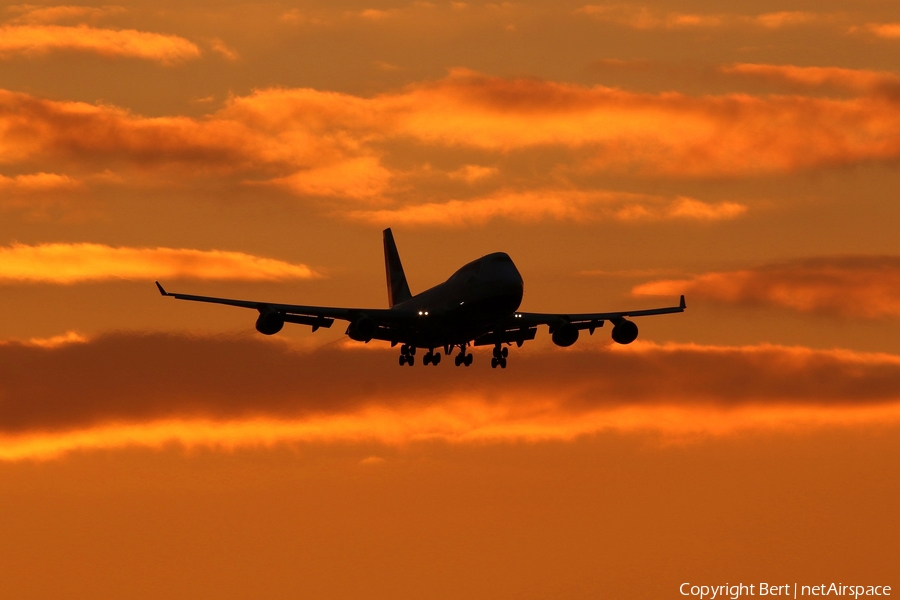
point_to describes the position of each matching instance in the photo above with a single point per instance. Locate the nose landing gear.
(407, 355)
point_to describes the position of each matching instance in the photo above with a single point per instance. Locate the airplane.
(477, 306)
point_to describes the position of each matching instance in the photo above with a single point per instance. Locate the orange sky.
(622, 153)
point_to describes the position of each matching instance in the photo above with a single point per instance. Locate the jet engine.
(565, 334)
(269, 322)
(624, 332)
(362, 329)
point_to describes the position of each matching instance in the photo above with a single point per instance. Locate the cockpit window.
(468, 271)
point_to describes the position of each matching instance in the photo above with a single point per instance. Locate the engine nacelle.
(624, 332)
(565, 334)
(269, 322)
(362, 329)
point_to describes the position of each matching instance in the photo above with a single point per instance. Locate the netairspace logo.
(787, 590)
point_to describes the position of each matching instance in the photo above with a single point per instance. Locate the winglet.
(165, 293)
(681, 304)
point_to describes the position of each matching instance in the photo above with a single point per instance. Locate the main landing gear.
(432, 358)
(500, 355)
(407, 355)
(462, 358)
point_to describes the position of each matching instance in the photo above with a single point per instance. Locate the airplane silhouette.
(476, 306)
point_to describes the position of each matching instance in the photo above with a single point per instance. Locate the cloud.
(884, 30)
(559, 205)
(234, 139)
(655, 134)
(385, 66)
(316, 143)
(69, 337)
(856, 286)
(133, 389)
(295, 16)
(374, 14)
(222, 48)
(29, 13)
(357, 178)
(473, 173)
(37, 182)
(71, 263)
(786, 18)
(41, 39)
(644, 18)
(855, 80)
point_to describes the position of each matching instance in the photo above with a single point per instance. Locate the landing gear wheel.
(402, 359)
(410, 360)
(427, 359)
(404, 349)
(458, 360)
(436, 359)
(505, 352)
(502, 363)
(494, 362)
(468, 359)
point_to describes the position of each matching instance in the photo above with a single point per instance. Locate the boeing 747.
(477, 306)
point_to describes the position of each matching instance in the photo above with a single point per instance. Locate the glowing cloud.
(222, 48)
(885, 30)
(849, 286)
(465, 422)
(373, 14)
(69, 337)
(561, 205)
(41, 39)
(856, 80)
(326, 144)
(473, 173)
(55, 14)
(358, 178)
(785, 18)
(642, 17)
(71, 263)
(211, 392)
(37, 182)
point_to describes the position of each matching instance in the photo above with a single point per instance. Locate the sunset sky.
(744, 154)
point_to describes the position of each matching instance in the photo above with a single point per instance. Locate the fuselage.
(469, 304)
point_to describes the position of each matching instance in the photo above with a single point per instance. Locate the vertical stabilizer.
(398, 289)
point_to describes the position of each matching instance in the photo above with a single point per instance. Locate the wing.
(314, 316)
(589, 320)
(522, 326)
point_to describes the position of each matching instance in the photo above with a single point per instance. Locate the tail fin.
(398, 289)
